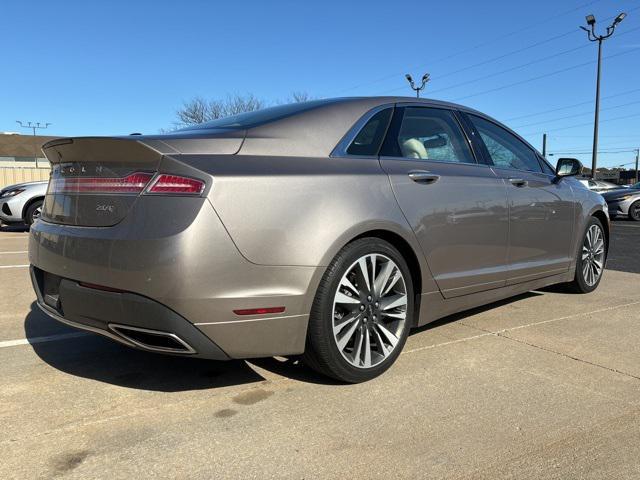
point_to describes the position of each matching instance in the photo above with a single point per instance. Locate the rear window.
(259, 117)
(369, 139)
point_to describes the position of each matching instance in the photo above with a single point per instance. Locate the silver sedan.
(624, 202)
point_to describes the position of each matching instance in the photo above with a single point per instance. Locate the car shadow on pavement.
(14, 228)
(474, 311)
(95, 357)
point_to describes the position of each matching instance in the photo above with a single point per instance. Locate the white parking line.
(14, 253)
(13, 266)
(47, 338)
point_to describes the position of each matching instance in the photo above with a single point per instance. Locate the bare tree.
(299, 96)
(199, 110)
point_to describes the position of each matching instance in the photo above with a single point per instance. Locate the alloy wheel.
(369, 310)
(593, 255)
(634, 211)
(36, 213)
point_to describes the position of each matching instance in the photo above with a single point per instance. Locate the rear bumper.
(173, 278)
(130, 319)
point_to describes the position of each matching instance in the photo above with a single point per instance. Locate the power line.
(575, 115)
(590, 152)
(517, 67)
(570, 106)
(499, 72)
(584, 124)
(479, 45)
(539, 77)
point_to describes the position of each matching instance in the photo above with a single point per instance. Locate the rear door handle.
(518, 182)
(423, 176)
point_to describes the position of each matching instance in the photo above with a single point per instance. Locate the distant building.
(18, 150)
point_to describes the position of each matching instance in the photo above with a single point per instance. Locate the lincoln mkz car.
(326, 229)
(22, 203)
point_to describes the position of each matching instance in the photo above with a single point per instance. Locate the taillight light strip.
(165, 184)
(135, 183)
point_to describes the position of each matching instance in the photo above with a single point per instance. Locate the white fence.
(11, 175)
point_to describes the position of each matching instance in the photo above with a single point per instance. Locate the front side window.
(368, 140)
(430, 134)
(505, 149)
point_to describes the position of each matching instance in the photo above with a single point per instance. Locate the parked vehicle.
(327, 228)
(22, 203)
(624, 202)
(598, 185)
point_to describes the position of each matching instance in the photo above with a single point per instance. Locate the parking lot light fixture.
(594, 37)
(425, 79)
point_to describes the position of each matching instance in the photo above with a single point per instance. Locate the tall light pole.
(592, 36)
(34, 127)
(637, 158)
(425, 79)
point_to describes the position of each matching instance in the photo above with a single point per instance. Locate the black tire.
(580, 283)
(31, 215)
(634, 211)
(321, 352)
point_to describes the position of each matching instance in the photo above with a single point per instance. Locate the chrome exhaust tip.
(152, 340)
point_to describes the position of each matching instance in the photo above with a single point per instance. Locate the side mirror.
(568, 167)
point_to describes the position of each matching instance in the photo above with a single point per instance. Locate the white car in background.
(22, 203)
(598, 185)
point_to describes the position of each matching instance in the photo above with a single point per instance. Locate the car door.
(455, 205)
(541, 207)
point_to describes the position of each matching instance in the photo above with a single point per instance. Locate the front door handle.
(423, 176)
(518, 182)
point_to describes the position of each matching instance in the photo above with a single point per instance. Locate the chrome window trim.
(427, 160)
(340, 149)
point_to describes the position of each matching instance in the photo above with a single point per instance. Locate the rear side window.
(369, 139)
(505, 149)
(429, 134)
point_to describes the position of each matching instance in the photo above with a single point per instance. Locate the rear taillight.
(175, 185)
(132, 184)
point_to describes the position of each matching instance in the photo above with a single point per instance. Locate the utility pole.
(592, 36)
(34, 127)
(544, 145)
(637, 156)
(425, 79)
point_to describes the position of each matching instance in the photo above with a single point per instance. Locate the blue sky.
(114, 67)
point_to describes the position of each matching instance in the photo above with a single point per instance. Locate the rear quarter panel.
(301, 211)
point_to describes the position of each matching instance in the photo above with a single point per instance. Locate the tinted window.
(546, 168)
(368, 140)
(505, 150)
(431, 134)
(258, 117)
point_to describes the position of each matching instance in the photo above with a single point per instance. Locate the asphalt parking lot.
(545, 385)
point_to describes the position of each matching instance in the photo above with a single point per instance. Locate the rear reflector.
(259, 311)
(176, 185)
(133, 184)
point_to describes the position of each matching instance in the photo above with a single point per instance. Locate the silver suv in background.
(22, 203)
